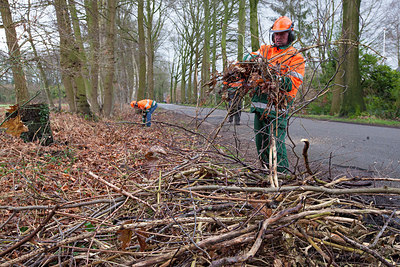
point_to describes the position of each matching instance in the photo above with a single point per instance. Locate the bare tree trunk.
(92, 16)
(353, 101)
(171, 82)
(338, 87)
(205, 67)
(176, 74)
(255, 44)
(110, 58)
(183, 79)
(190, 97)
(150, 50)
(81, 50)
(196, 71)
(241, 29)
(176, 80)
(21, 89)
(142, 52)
(214, 34)
(223, 34)
(70, 63)
(135, 76)
(65, 35)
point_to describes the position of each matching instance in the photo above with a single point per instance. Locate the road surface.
(370, 148)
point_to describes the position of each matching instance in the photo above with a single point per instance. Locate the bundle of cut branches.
(207, 215)
(258, 77)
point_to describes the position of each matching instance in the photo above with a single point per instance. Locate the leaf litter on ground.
(114, 192)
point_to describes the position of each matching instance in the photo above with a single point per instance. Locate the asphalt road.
(371, 148)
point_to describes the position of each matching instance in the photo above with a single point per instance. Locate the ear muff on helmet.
(291, 37)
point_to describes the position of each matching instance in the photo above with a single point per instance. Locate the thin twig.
(366, 249)
(339, 191)
(122, 191)
(260, 237)
(31, 235)
(382, 230)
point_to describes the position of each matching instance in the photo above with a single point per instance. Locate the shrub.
(381, 86)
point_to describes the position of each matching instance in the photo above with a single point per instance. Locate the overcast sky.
(266, 20)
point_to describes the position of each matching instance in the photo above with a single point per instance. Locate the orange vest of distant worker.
(291, 63)
(144, 104)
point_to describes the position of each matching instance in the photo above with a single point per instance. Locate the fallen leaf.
(125, 236)
(142, 236)
(14, 126)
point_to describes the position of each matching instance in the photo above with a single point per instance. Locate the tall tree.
(190, 26)
(150, 47)
(214, 35)
(126, 54)
(227, 14)
(42, 73)
(110, 57)
(71, 65)
(142, 52)
(241, 29)
(154, 21)
(92, 17)
(324, 16)
(205, 69)
(353, 101)
(392, 26)
(255, 44)
(21, 89)
(65, 36)
(79, 43)
(184, 63)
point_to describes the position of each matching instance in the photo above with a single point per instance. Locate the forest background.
(96, 55)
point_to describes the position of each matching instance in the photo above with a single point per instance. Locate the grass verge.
(359, 120)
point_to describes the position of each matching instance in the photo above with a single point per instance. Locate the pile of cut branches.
(173, 205)
(255, 77)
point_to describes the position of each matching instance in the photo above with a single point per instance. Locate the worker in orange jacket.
(289, 66)
(147, 106)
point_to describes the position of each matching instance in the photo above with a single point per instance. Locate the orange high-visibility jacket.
(146, 104)
(290, 61)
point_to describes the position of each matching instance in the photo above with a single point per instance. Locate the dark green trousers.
(262, 129)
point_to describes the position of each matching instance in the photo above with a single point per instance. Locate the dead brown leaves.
(14, 126)
(123, 153)
(256, 78)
